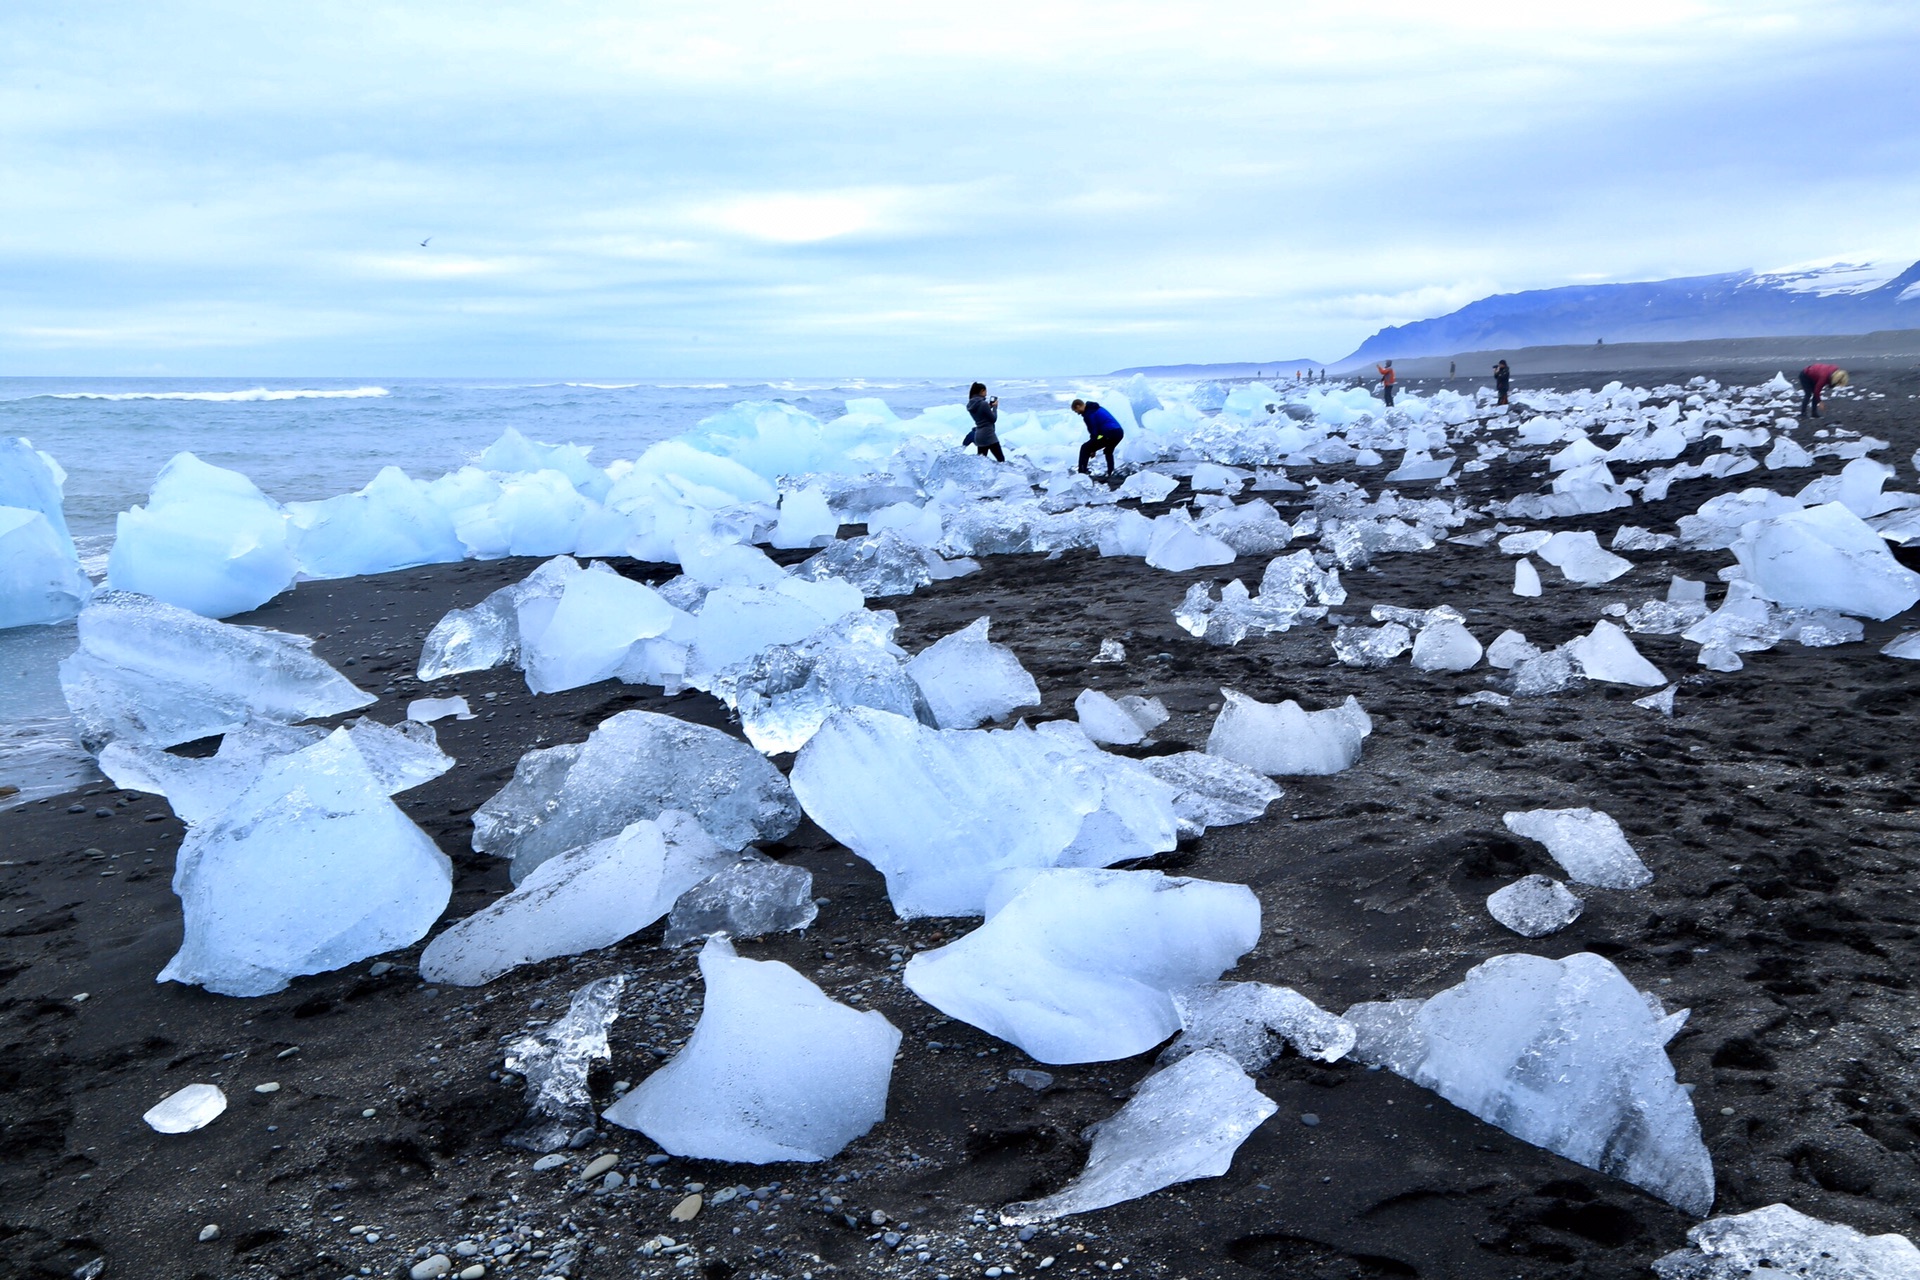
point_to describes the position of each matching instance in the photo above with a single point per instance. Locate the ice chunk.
(1534, 906)
(969, 680)
(1904, 645)
(1588, 843)
(40, 580)
(207, 540)
(1661, 701)
(636, 765)
(735, 623)
(1251, 528)
(1212, 791)
(1148, 486)
(1080, 965)
(1184, 1122)
(427, 710)
(555, 1062)
(1780, 1241)
(1446, 646)
(805, 520)
(1111, 651)
(312, 867)
(585, 637)
(1251, 1021)
(393, 523)
(1718, 521)
(774, 1070)
(1210, 477)
(883, 564)
(1177, 546)
(1665, 617)
(1544, 673)
(1607, 654)
(184, 1110)
(1629, 537)
(581, 900)
(488, 635)
(1563, 1054)
(1526, 542)
(1289, 581)
(753, 897)
(1286, 740)
(1371, 646)
(154, 673)
(1581, 558)
(785, 693)
(720, 562)
(1509, 649)
(1122, 722)
(1825, 557)
(1786, 453)
(1526, 578)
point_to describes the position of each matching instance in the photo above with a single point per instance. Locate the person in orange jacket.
(1814, 379)
(1387, 378)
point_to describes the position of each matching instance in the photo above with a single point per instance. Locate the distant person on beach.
(1814, 379)
(1502, 380)
(1103, 433)
(985, 412)
(1387, 378)
(1449, 371)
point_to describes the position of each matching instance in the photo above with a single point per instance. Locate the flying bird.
(423, 243)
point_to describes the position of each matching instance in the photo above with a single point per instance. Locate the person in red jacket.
(1387, 378)
(1814, 379)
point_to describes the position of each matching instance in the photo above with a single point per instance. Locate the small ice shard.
(1526, 542)
(786, 692)
(1371, 646)
(184, 1110)
(1509, 649)
(1544, 673)
(1825, 557)
(1904, 645)
(585, 637)
(636, 765)
(1665, 617)
(1661, 701)
(1780, 1241)
(1484, 698)
(968, 680)
(1631, 537)
(1564, 1054)
(1534, 906)
(1080, 965)
(1251, 1021)
(1148, 486)
(1111, 651)
(1445, 646)
(427, 710)
(1607, 654)
(1184, 1122)
(1120, 722)
(555, 1061)
(1580, 557)
(1177, 546)
(1526, 578)
(153, 673)
(207, 541)
(774, 1070)
(578, 901)
(1786, 453)
(1587, 843)
(750, 899)
(310, 868)
(1213, 791)
(1286, 740)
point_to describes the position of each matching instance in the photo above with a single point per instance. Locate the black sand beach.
(1777, 810)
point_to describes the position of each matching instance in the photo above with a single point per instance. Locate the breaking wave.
(252, 393)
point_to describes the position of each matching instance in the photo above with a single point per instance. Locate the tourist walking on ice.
(1103, 433)
(985, 412)
(1814, 379)
(1502, 380)
(1387, 378)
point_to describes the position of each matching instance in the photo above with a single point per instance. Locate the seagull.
(423, 243)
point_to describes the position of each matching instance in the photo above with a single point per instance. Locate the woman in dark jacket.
(1502, 380)
(985, 412)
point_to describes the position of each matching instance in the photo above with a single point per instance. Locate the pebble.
(467, 1248)
(1037, 1081)
(687, 1210)
(368, 1114)
(599, 1166)
(287, 1053)
(432, 1268)
(271, 1086)
(545, 1163)
(1726, 1111)
(1028, 1233)
(473, 1272)
(612, 1182)
(103, 813)
(657, 1158)
(76, 808)
(878, 1218)
(381, 968)
(1309, 1119)
(209, 1233)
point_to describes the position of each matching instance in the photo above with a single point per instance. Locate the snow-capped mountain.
(1832, 298)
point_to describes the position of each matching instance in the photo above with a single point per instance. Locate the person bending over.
(985, 412)
(1103, 433)
(1814, 379)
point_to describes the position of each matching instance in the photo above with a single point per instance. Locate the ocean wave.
(224, 397)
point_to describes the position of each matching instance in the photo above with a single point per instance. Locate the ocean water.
(302, 439)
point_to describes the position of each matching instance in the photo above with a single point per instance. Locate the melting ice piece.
(1780, 1241)
(1177, 546)
(1631, 537)
(774, 1070)
(805, 520)
(637, 764)
(1148, 486)
(1371, 646)
(1525, 542)
(1904, 645)
(1588, 843)
(1212, 790)
(1509, 649)
(1580, 557)
(1251, 528)
(577, 901)
(1111, 651)
(786, 692)
(1445, 646)
(1534, 906)
(883, 564)
(1526, 578)
(1544, 673)
(1184, 1122)
(427, 710)
(1665, 617)
(155, 673)
(735, 623)
(393, 523)
(312, 867)
(208, 541)
(488, 635)
(753, 897)
(1607, 654)
(184, 1110)
(555, 1061)
(1251, 1021)
(1286, 740)
(1564, 1054)
(40, 580)
(1661, 701)
(1826, 557)
(969, 680)
(1080, 965)
(585, 637)
(1122, 721)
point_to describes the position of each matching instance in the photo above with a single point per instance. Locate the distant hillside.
(1271, 369)
(1843, 298)
(1761, 356)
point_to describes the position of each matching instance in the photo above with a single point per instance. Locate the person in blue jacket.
(1103, 433)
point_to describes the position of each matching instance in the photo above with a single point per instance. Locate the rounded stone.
(210, 1232)
(432, 1268)
(688, 1209)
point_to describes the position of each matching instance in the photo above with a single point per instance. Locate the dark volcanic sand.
(1776, 810)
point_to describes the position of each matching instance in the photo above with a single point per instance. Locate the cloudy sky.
(1013, 186)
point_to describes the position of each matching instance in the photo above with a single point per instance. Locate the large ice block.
(33, 481)
(1251, 1022)
(155, 673)
(40, 580)
(1587, 843)
(488, 634)
(390, 524)
(1286, 740)
(1564, 1054)
(1212, 791)
(883, 564)
(1081, 965)
(585, 637)
(968, 680)
(774, 1070)
(581, 900)
(208, 540)
(635, 765)
(311, 868)
(1777, 1240)
(1826, 557)
(786, 692)
(735, 623)
(749, 899)
(555, 1062)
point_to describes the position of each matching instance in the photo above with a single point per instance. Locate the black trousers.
(1099, 444)
(1809, 396)
(1387, 388)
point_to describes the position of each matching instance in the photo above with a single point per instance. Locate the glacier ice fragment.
(1371, 646)
(1777, 1240)
(1825, 557)
(207, 540)
(1445, 646)
(1286, 740)
(968, 680)
(1121, 722)
(1509, 649)
(1661, 701)
(1607, 654)
(1580, 557)
(40, 579)
(1212, 790)
(1526, 578)
(1251, 1021)
(1587, 843)
(194, 1107)
(750, 899)
(555, 1062)
(1534, 906)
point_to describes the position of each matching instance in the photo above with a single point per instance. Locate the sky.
(1016, 188)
